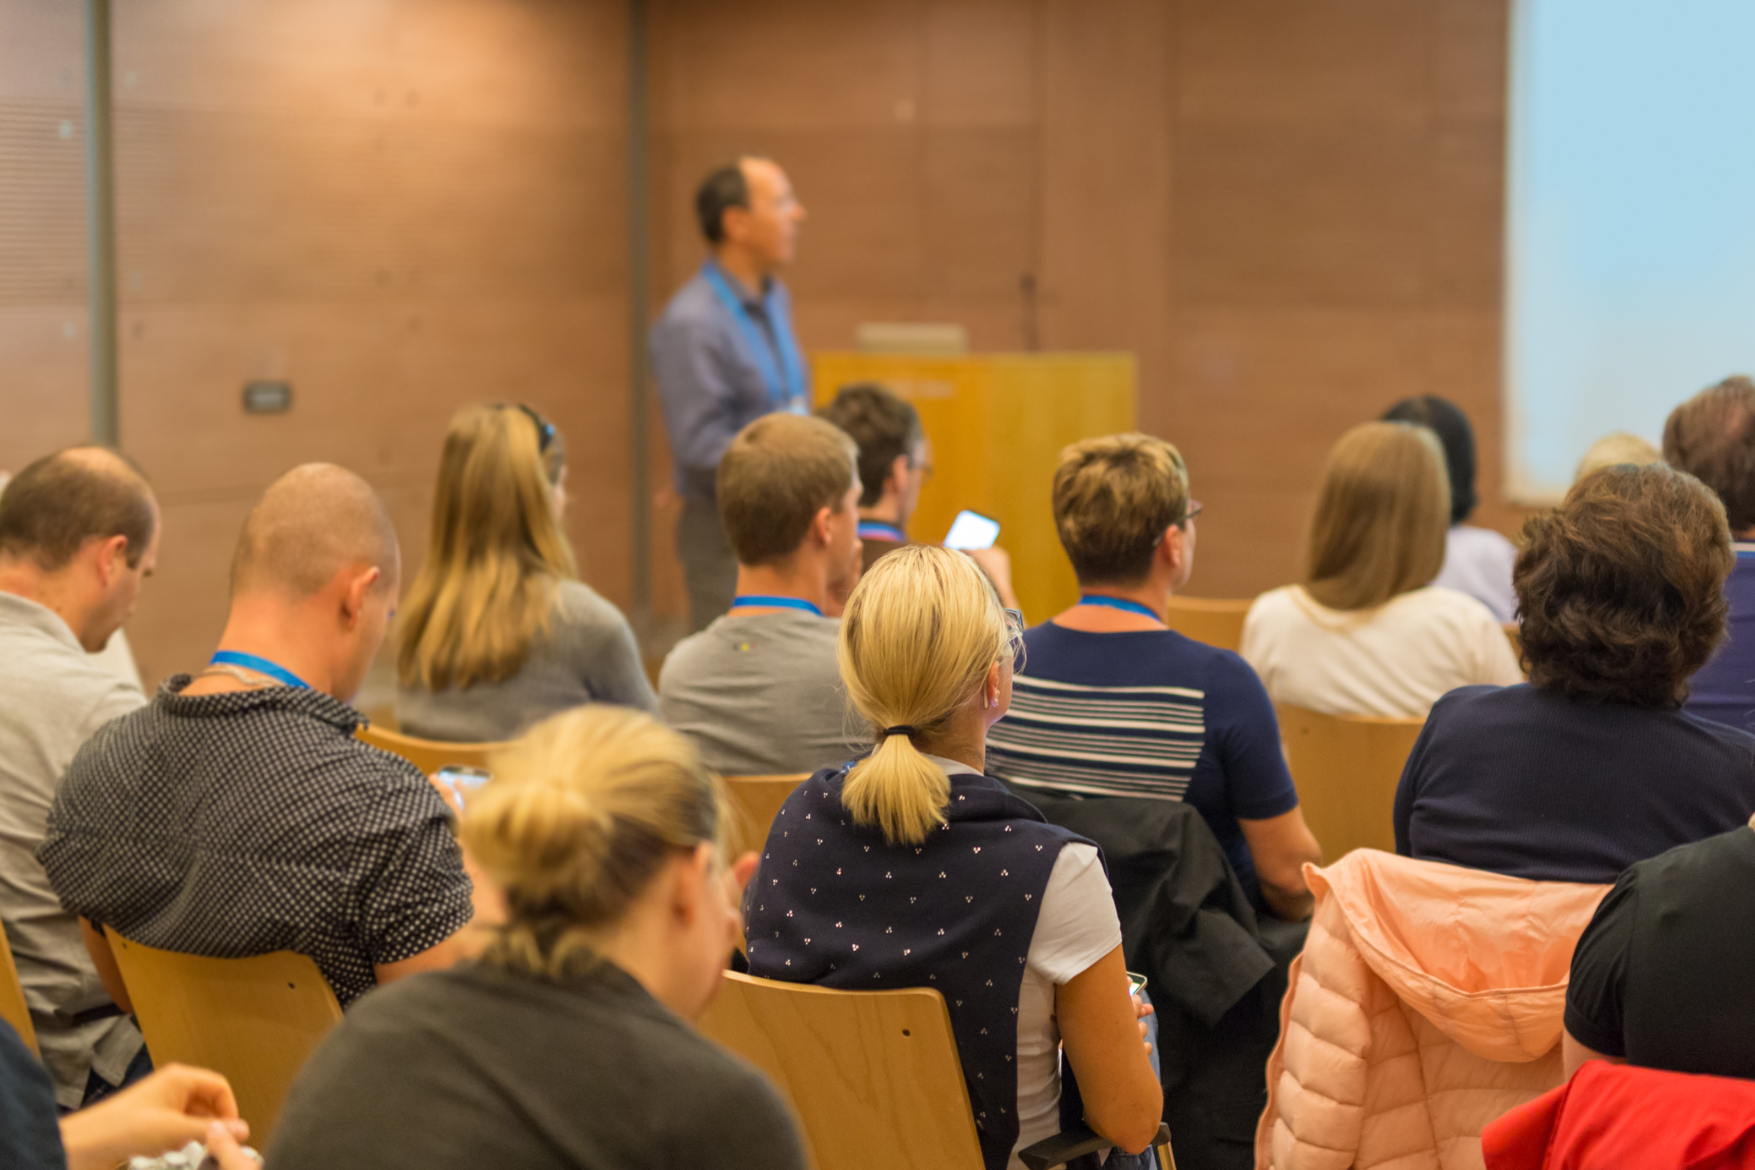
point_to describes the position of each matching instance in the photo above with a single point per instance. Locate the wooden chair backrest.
(1347, 768)
(755, 802)
(429, 755)
(254, 1021)
(873, 1075)
(1215, 621)
(12, 1006)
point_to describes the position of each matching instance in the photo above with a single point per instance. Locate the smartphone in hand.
(972, 530)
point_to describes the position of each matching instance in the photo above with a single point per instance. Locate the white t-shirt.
(1478, 562)
(1394, 660)
(1076, 926)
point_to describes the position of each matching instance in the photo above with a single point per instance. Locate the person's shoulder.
(1466, 704)
(1483, 543)
(580, 606)
(1450, 605)
(1731, 739)
(692, 307)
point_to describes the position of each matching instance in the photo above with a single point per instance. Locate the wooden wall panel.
(1290, 213)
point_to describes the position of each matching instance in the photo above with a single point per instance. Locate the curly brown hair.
(1621, 588)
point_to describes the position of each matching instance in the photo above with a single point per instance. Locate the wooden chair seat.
(1215, 621)
(255, 1020)
(429, 755)
(13, 1008)
(1347, 768)
(873, 1075)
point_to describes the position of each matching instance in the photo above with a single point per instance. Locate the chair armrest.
(1063, 1147)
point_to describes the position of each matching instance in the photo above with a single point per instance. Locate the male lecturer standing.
(724, 354)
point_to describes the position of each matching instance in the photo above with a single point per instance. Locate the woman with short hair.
(568, 1043)
(497, 632)
(910, 868)
(1594, 764)
(1367, 634)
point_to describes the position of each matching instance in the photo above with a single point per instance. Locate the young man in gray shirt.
(758, 691)
(78, 533)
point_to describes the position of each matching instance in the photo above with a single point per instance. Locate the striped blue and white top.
(1147, 714)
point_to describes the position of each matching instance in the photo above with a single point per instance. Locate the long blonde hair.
(1381, 516)
(919, 634)
(580, 816)
(487, 588)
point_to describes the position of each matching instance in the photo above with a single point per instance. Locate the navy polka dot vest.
(833, 905)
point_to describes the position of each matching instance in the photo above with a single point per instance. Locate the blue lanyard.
(786, 387)
(774, 601)
(259, 665)
(1120, 603)
(878, 530)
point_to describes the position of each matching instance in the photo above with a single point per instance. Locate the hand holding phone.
(972, 530)
(463, 781)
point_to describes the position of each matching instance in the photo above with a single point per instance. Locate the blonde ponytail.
(580, 816)
(919, 634)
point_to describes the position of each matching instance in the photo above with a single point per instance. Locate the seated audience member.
(1660, 977)
(1594, 764)
(497, 632)
(757, 690)
(568, 1044)
(1477, 561)
(1712, 437)
(237, 814)
(1115, 703)
(1613, 448)
(894, 463)
(1366, 634)
(166, 1111)
(926, 873)
(78, 534)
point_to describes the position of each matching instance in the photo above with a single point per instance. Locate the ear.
(898, 475)
(353, 596)
(990, 688)
(688, 883)
(1173, 549)
(112, 558)
(819, 525)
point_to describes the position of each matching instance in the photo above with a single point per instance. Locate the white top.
(1478, 562)
(1395, 660)
(1076, 926)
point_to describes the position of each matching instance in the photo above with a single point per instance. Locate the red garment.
(1616, 1116)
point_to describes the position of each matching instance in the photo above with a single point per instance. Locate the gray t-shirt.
(760, 695)
(53, 696)
(588, 656)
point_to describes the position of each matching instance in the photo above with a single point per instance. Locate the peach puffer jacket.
(1427, 1002)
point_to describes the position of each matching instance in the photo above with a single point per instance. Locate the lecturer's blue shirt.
(1724, 689)
(709, 382)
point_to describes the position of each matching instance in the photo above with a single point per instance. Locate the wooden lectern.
(997, 423)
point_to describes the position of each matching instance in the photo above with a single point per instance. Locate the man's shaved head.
(312, 522)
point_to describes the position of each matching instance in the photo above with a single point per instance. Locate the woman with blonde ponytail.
(568, 1043)
(910, 868)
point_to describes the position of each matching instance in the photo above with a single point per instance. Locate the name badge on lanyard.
(785, 383)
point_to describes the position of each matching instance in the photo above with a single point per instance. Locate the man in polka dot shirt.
(236, 814)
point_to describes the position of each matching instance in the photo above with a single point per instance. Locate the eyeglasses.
(1193, 511)
(545, 430)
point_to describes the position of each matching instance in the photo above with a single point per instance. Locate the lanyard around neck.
(880, 530)
(785, 383)
(773, 601)
(1121, 603)
(259, 665)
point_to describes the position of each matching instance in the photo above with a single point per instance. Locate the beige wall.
(401, 207)
(1290, 212)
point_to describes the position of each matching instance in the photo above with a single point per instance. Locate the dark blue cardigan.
(834, 905)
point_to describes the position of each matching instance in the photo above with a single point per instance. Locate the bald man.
(723, 355)
(78, 535)
(236, 814)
